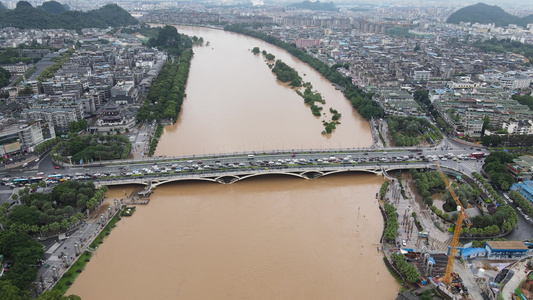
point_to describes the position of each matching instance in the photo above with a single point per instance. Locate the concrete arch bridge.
(235, 175)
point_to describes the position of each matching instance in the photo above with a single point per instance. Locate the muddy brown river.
(234, 103)
(270, 237)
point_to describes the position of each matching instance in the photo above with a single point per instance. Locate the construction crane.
(455, 240)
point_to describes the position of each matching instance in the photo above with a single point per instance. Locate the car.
(56, 167)
(404, 243)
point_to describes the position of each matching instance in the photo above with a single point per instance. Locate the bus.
(20, 181)
(477, 154)
(36, 179)
(54, 177)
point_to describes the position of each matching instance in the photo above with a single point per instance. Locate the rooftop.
(501, 245)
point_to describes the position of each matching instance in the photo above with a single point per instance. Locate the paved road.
(54, 248)
(514, 282)
(47, 167)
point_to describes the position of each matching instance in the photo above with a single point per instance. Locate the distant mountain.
(53, 7)
(2, 7)
(22, 4)
(25, 16)
(315, 6)
(526, 20)
(484, 14)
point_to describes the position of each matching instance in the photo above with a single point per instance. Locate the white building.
(59, 117)
(518, 127)
(20, 137)
(516, 82)
(421, 75)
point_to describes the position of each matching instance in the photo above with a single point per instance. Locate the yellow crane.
(455, 240)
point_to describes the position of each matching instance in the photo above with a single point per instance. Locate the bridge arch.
(299, 175)
(377, 172)
(158, 182)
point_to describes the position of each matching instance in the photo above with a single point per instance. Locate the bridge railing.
(244, 171)
(242, 154)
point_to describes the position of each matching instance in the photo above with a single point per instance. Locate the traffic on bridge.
(231, 168)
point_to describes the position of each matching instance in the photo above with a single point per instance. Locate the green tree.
(11, 292)
(55, 295)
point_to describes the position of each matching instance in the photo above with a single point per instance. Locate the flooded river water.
(234, 103)
(270, 237)
(262, 238)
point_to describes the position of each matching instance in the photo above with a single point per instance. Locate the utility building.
(506, 249)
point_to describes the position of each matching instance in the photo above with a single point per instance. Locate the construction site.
(434, 264)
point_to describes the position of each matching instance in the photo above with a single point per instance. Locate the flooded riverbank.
(305, 239)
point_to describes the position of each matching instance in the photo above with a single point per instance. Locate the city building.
(516, 82)
(521, 167)
(525, 188)
(506, 249)
(59, 117)
(124, 92)
(518, 127)
(20, 136)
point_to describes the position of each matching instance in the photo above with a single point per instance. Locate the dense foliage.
(428, 183)
(51, 212)
(310, 98)
(166, 94)
(87, 148)
(495, 167)
(50, 71)
(360, 100)
(407, 270)
(391, 223)
(170, 40)
(503, 220)
(155, 140)
(383, 189)
(363, 102)
(4, 77)
(12, 56)
(409, 131)
(285, 73)
(26, 16)
(77, 126)
(509, 140)
(19, 248)
(422, 98)
(488, 187)
(47, 145)
(525, 99)
(483, 14)
(504, 46)
(53, 7)
(522, 202)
